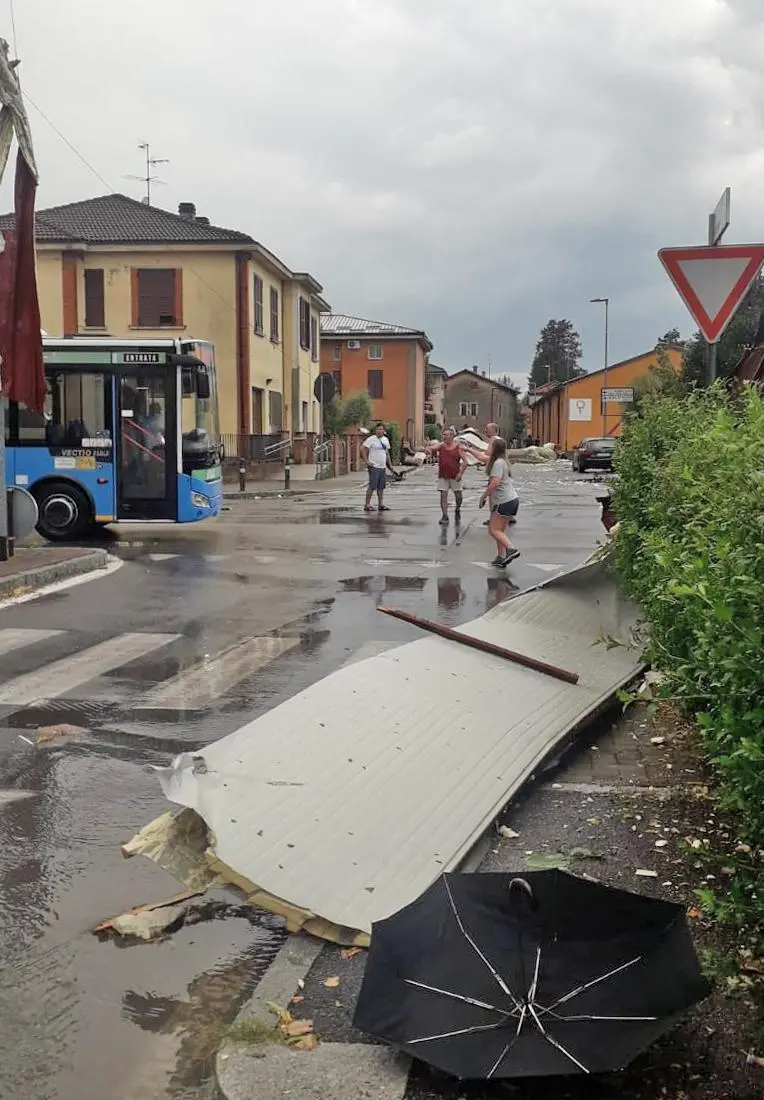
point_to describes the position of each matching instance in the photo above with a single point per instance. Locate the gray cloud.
(470, 168)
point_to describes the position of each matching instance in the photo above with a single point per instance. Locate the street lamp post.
(603, 402)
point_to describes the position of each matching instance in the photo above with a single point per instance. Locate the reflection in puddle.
(376, 585)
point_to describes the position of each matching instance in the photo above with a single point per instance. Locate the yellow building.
(114, 266)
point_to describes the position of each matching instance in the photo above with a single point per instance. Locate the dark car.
(594, 454)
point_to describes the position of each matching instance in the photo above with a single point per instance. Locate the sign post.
(718, 223)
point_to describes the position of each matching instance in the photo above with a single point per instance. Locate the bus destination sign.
(140, 358)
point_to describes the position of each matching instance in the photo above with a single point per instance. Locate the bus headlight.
(199, 500)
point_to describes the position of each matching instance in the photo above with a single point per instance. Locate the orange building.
(567, 412)
(388, 361)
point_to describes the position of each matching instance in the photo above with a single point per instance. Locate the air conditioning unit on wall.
(354, 345)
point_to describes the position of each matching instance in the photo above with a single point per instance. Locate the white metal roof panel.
(352, 797)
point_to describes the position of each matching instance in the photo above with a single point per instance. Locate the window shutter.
(159, 291)
(95, 313)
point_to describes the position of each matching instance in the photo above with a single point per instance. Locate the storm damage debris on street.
(536, 975)
(345, 802)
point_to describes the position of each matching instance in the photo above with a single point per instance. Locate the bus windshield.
(199, 414)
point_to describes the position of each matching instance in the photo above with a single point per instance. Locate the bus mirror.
(203, 390)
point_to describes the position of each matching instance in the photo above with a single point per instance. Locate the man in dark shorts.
(376, 450)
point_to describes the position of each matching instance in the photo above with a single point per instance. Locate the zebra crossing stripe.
(12, 639)
(207, 679)
(54, 680)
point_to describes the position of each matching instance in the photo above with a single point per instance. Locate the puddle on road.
(84, 1019)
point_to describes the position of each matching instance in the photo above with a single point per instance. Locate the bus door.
(147, 478)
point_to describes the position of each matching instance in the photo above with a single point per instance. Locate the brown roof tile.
(117, 219)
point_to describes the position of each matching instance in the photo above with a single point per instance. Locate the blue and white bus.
(129, 432)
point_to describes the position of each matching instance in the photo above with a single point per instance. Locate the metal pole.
(4, 540)
(711, 348)
(711, 363)
(604, 405)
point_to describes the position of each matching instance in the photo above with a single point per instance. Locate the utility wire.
(87, 163)
(113, 190)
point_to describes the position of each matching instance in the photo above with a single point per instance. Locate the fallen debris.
(147, 922)
(61, 732)
(302, 812)
(507, 833)
(478, 643)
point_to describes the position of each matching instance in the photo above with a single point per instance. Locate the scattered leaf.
(645, 874)
(694, 913)
(308, 1042)
(546, 861)
(332, 983)
(350, 952)
(300, 983)
(297, 1028)
(584, 853)
(661, 843)
(592, 821)
(296, 1000)
(507, 833)
(657, 740)
(284, 1017)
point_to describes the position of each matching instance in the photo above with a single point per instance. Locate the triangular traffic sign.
(713, 281)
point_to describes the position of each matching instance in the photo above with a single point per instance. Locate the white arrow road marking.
(162, 557)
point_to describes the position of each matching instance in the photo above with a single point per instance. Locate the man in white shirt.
(377, 454)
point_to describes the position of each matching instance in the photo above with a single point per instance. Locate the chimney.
(202, 220)
(474, 370)
(187, 210)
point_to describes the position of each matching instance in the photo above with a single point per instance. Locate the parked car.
(594, 454)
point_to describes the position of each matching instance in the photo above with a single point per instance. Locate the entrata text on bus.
(129, 432)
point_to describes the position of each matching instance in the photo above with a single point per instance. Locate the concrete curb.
(268, 1071)
(40, 577)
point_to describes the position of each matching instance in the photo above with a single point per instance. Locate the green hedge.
(690, 550)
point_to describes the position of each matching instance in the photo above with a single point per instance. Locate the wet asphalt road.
(202, 629)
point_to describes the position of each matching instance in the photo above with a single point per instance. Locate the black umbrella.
(495, 975)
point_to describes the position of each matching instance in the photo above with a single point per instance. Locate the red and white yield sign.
(713, 281)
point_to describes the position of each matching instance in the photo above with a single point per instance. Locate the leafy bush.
(340, 416)
(690, 550)
(394, 435)
(432, 431)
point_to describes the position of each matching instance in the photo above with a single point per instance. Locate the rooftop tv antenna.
(151, 162)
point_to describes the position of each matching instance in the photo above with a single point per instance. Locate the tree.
(340, 416)
(739, 334)
(669, 338)
(558, 351)
(660, 381)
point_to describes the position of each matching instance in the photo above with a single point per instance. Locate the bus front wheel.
(64, 511)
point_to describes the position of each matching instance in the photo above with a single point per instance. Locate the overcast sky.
(470, 168)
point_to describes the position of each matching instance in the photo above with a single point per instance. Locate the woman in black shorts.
(502, 494)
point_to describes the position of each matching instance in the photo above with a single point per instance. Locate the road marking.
(210, 678)
(162, 557)
(112, 566)
(11, 640)
(53, 680)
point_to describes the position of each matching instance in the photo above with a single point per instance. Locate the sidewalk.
(35, 567)
(355, 480)
(625, 809)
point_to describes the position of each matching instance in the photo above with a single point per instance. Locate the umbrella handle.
(525, 886)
